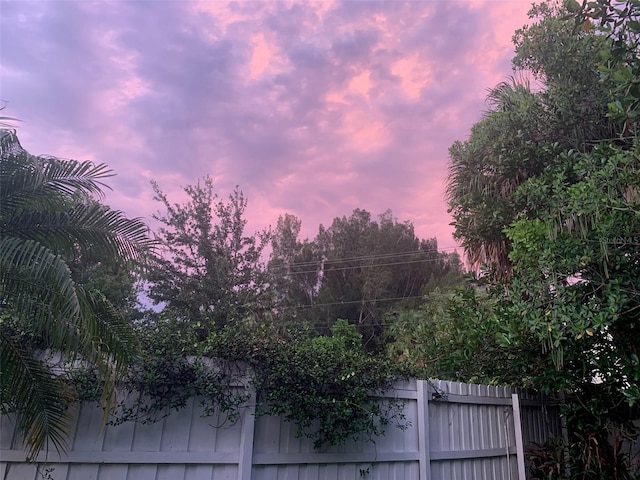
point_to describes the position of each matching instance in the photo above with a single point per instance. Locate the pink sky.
(312, 108)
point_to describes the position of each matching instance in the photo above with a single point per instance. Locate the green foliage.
(546, 462)
(525, 237)
(322, 384)
(325, 385)
(461, 336)
(581, 269)
(553, 189)
(161, 385)
(525, 130)
(225, 319)
(566, 60)
(620, 61)
(164, 378)
(208, 272)
(590, 457)
(356, 269)
(111, 278)
(294, 267)
(46, 222)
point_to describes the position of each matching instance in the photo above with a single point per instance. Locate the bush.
(325, 385)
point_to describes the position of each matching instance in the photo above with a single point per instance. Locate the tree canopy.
(208, 272)
(525, 129)
(357, 269)
(545, 193)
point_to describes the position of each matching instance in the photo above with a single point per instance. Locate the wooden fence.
(454, 431)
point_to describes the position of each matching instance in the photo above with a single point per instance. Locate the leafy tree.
(356, 269)
(208, 272)
(575, 290)
(45, 222)
(565, 60)
(484, 172)
(570, 231)
(460, 335)
(620, 62)
(579, 263)
(567, 320)
(294, 266)
(323, 384)
(524, 131)
(370, 266)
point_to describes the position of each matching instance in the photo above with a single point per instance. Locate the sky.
(311, 108)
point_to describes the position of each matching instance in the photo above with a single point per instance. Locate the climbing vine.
(328, 386)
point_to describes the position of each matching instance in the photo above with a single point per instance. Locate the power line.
(351, 302)
(363, 257)
(354, 267)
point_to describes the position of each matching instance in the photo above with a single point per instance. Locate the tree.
(294, 267)
(460, 335)
(45, 222)
(619, 21)
(356, 269)
(570, 231)
(575, 289)
(524, 131)
(208, 271)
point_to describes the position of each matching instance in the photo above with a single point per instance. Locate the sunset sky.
(312, 108)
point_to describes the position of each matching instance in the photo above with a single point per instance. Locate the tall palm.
(485, 171)
(47, 215)
(525, 129)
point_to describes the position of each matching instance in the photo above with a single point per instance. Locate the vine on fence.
(325, 385)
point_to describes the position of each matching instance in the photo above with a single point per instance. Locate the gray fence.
(454, 431)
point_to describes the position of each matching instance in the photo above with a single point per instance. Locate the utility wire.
(351, 302)
(350, 259)
(363, 257)
(354, 267)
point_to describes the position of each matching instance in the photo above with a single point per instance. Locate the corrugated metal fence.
(455, 431)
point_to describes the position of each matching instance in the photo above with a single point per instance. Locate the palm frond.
(85, 225)
(112, 337)
(510, 95)
(47, 214)
(28, 180)
(113, 347)
(32, 276)
(7, 122)
(29, 388)
(37, 286)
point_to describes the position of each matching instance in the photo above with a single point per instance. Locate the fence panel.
(472, 432)
(454, 431)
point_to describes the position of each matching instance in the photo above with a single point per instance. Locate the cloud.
(312, 108)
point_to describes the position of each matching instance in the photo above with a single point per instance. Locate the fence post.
(517, 424)
(424, 448)
(245, 460)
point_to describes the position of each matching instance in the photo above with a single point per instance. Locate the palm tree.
(48, 214)
(485, 171)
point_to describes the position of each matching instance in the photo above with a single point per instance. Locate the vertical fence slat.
(518, 429)
(422, 388)
(245, 461)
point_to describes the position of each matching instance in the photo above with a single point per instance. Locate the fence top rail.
(446, 391)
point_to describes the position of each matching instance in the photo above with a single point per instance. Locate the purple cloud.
(311, 108)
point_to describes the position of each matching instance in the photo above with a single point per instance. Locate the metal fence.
(453, 431)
